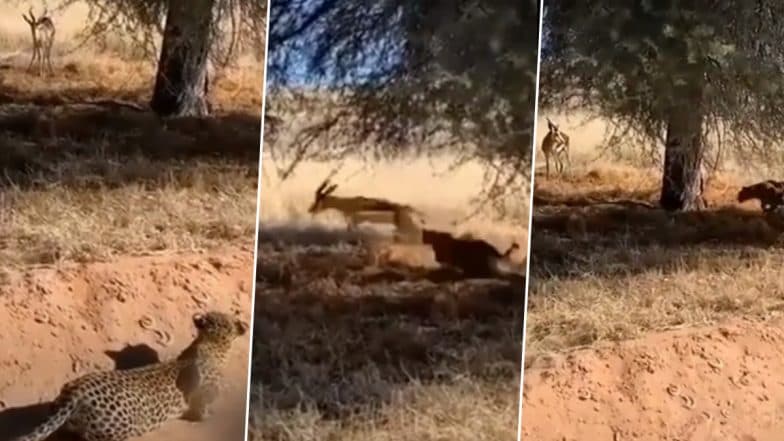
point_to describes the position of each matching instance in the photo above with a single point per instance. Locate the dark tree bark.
(682, 184)
(182, 80)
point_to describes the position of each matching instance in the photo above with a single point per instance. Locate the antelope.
(358, 209)
(42, 31)
(556, 145)
(474, 257)
(769, 193)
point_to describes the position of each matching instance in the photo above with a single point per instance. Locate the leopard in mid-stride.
(118, 405)
(770, 194)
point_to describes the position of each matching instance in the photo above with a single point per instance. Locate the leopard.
(121, 404)
(474, 257)
(770, 194)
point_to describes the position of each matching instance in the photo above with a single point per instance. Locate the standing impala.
(42, 30)
(556, 145)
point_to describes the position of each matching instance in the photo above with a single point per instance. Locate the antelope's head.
(552, 127)
(556, 133)
(324, 190)
(34, 21)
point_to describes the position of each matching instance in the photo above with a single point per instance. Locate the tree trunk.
(682, 184)
(181, 84)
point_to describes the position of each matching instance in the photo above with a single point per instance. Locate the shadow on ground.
(282, 236)
(572, 237)
(41, 139)
(337, 334)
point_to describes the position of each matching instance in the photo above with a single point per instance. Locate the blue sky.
(546, 48)
(300, 52)
(298, 71)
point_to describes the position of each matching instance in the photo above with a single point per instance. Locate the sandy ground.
(717, 383)
(58, 323)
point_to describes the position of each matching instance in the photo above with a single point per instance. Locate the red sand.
(718, 383)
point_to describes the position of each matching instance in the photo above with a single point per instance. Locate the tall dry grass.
(603, 269)
(85, 182)
(344, 350)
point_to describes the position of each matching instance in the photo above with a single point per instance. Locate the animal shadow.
(18, 421)
(133, 356)
(402, 273)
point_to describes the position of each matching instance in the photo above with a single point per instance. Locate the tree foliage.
(640, 64)
(239, 25)
(404, 76)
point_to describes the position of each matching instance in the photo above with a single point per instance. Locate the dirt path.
(718, 383)
(58, 323)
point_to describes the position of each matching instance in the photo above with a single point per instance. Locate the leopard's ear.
(199, 320)
(242, 327)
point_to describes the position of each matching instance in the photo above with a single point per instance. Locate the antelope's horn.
(322, 186)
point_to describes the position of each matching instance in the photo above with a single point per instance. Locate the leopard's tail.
(63, 407)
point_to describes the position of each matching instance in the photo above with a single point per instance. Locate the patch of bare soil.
(58, 323)
(716, 383)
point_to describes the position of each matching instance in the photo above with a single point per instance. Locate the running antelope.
(474, 257)
(42, 31)
(358, 209)
(556, 145)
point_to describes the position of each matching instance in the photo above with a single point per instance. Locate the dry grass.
(82, 181)
(463, 410)
(344, 350)
(347, 349)
(605, 269)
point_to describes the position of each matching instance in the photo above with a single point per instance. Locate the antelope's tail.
(417, 212)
